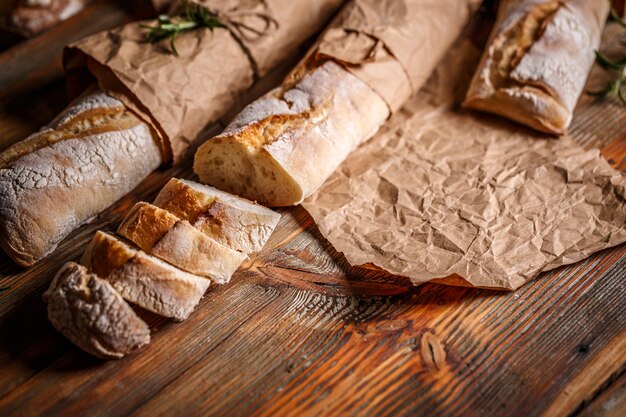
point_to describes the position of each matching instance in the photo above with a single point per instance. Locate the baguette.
(92, 315)
(231, 221)
(366, 64)
(537, 60)
(283, 146)
(143, 279)
(60, 177)
(176, 241)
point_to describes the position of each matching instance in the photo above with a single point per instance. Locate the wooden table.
(300, 332)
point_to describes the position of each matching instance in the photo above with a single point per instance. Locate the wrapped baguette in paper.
(283, 146)
(537, 61)
(442, 196)
(150, 107)
(181, 94)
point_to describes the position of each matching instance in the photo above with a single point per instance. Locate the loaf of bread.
(176, 241)
(283, 146)
(57, 179)
(537, 61)
(30, 17)
(143, 279)
(363, 67)
(86, 303)
(92, 315)
(234, 222)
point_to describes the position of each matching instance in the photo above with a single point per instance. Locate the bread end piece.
(92, 315)
(143, 279)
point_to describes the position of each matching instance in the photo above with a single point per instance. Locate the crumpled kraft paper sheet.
(447, 195)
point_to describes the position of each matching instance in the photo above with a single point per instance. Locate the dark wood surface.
(300, 332)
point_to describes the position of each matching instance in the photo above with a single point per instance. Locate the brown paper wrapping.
(445, 195)
(376, 41)
(180, 95)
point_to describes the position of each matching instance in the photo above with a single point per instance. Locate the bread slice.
(143, 279)
(232, 221)
(176, 241)
(283, 146)
(92, 315)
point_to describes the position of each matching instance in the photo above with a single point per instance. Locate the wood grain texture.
(300, 332)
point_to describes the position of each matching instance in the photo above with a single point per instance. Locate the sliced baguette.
(283, 146)
(232, 221)
(143, 279)
(92, 315)
(176, 241)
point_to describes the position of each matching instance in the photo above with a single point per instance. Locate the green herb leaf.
(170, 27)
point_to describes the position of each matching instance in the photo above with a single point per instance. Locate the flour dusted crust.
(537, 61)
(31, 17)
(143, 279)
(95, 152)
(234, 222)
(176, 241)
(92, 315)
(283, 146)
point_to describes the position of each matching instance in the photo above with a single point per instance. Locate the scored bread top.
(92, 114)
(233, 221)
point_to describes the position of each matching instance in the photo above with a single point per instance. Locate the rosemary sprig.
(171, 26)
(613, 88)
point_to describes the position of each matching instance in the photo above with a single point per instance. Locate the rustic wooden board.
(300, 332)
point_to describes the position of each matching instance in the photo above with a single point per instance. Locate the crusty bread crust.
(92, 315)
(64, 175)
(283, 146)
(234, 222)
(537, 60)
(176, 241)
(142, 279)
